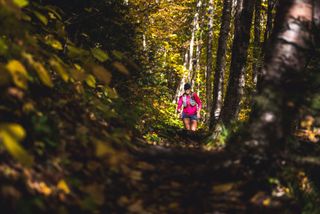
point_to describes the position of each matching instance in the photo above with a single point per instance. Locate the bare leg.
(186, 122)
(194, 125)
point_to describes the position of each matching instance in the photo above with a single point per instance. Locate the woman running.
(191, 108)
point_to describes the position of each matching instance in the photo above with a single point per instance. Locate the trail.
(178, 176)
(188, 180)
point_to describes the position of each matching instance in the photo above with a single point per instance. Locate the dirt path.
(177, 180)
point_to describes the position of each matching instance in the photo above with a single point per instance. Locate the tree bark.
(238, 62)
(256, 65)
(220, 63)
(269, 25)
(281, 90)
(209, 65)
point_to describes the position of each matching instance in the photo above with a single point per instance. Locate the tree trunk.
(209, 60)
(189, 63)
(221, 62)
(238, 62)
(195, 27)
(256, 65)
(183, 80)
(269, 25)
(281, 89)
(198, 65)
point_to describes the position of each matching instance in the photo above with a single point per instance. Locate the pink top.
(190, 110)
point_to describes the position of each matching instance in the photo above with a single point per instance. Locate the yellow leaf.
(53, 42)
(41, 17)
(18, 73)
(43, 74)
(266, 202)
(10, 135)
(45, 189)
(62, 185)
(91, 81)
(102, 74)
(40, 69)
(57, 66)
(120, 67)
(21, 3)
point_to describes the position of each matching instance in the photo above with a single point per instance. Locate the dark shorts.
(191, 117)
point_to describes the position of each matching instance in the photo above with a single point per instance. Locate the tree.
(189, 63)
(209, 58)
(257, 42)
(220, 62)
(281, 90)
(234, 93)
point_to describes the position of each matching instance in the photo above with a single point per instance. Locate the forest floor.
(182, 177)
(179, 176)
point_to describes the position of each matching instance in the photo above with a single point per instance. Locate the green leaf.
(99, 54)
(21, 3)
(10, 135)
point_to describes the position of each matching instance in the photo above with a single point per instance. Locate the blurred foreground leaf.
(21, 3)
(11, 134)
(102, 74)
(62, 185)
(100, 54)
(19, 73)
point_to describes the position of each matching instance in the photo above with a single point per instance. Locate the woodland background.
(88, 117)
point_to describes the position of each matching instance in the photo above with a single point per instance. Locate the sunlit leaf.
(120, 67)
(62, 185)
(21, 3)
(102, 74)
(54, 11)
(53, 42)
(91, 81)
(19, 73)
(10, 135)
(43, 74)
(58, 67)
(44, 189)
(43, 19)
(99, 54)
